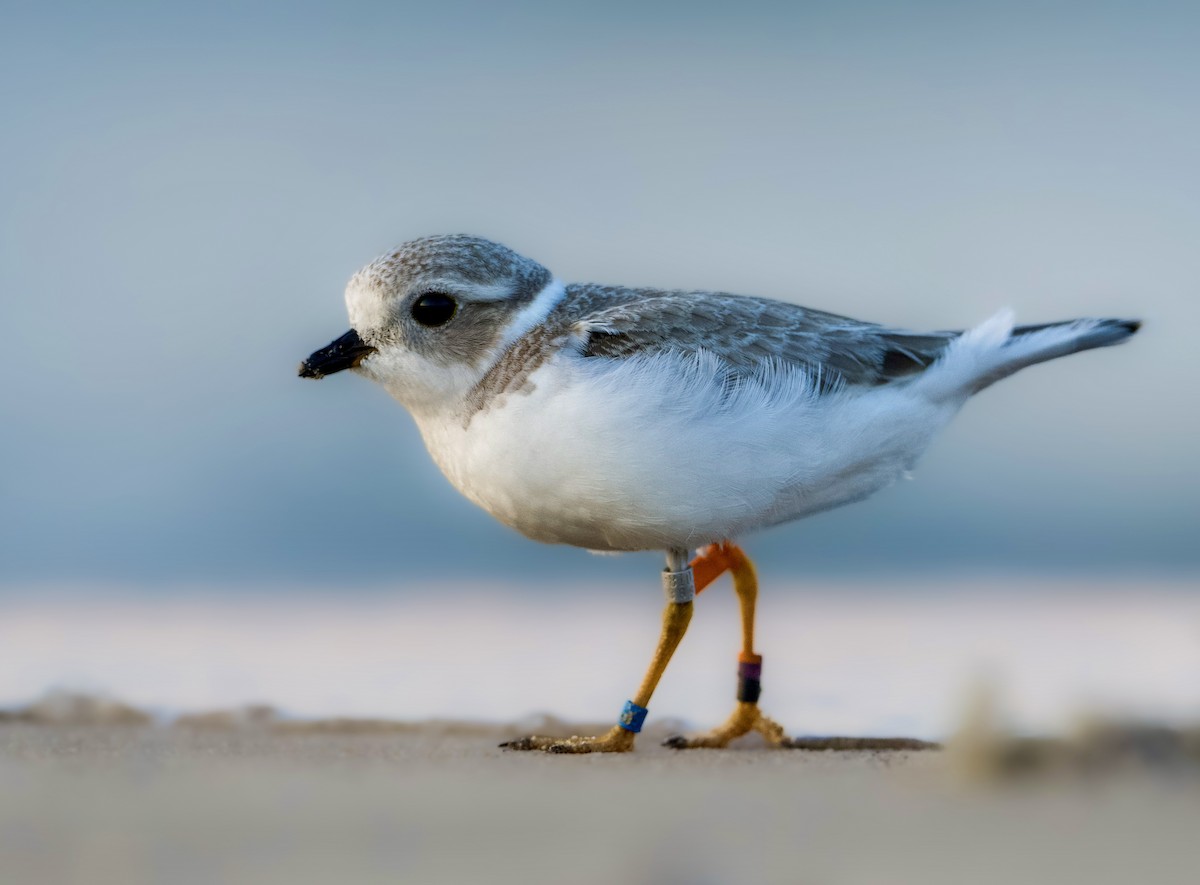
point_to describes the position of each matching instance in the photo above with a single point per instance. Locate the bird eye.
(434, 309)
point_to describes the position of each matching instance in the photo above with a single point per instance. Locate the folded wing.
(750, 334)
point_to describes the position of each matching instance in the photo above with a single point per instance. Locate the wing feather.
(750, 333)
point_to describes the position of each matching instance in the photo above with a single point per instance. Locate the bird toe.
(524, 743)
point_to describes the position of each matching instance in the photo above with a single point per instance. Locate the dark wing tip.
(1114, 331)
(1111, 329)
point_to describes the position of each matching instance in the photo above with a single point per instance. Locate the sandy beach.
(227, 800)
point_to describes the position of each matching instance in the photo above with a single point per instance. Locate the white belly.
(649, 453)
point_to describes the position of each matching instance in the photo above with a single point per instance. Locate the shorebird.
(619, 419)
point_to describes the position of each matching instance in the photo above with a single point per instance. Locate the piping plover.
(616, 418)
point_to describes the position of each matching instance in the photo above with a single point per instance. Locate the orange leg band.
(716, 559)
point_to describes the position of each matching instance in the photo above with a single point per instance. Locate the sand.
(246, 799)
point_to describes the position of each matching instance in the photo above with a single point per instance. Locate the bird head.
(430, 318)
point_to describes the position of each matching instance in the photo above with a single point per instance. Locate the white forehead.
(366, 303)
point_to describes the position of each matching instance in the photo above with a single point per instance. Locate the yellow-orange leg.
(712, 562)
(680, 589)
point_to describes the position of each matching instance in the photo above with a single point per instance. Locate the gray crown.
(458, 262)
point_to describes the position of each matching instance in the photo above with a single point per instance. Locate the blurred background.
(188, 187)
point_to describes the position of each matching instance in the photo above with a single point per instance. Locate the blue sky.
(187, 188)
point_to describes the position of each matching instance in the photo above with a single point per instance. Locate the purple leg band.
(749, 671)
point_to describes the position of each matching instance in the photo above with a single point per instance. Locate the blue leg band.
(632, 717)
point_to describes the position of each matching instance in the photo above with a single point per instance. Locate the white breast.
(652, 452)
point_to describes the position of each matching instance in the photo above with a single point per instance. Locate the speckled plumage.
(745, 333)
(455, 258)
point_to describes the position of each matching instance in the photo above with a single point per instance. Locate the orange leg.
(682, 581)
(678, 583)
(712, 562)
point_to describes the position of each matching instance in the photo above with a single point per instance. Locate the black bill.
(345, 353)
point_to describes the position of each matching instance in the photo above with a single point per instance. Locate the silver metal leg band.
(679, 587)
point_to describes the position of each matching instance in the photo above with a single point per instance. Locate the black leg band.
(749, 681)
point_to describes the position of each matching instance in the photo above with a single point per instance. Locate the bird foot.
(617, 740)
(746, 718)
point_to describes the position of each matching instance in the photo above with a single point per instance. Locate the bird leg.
(712, 562)
(679, 586)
